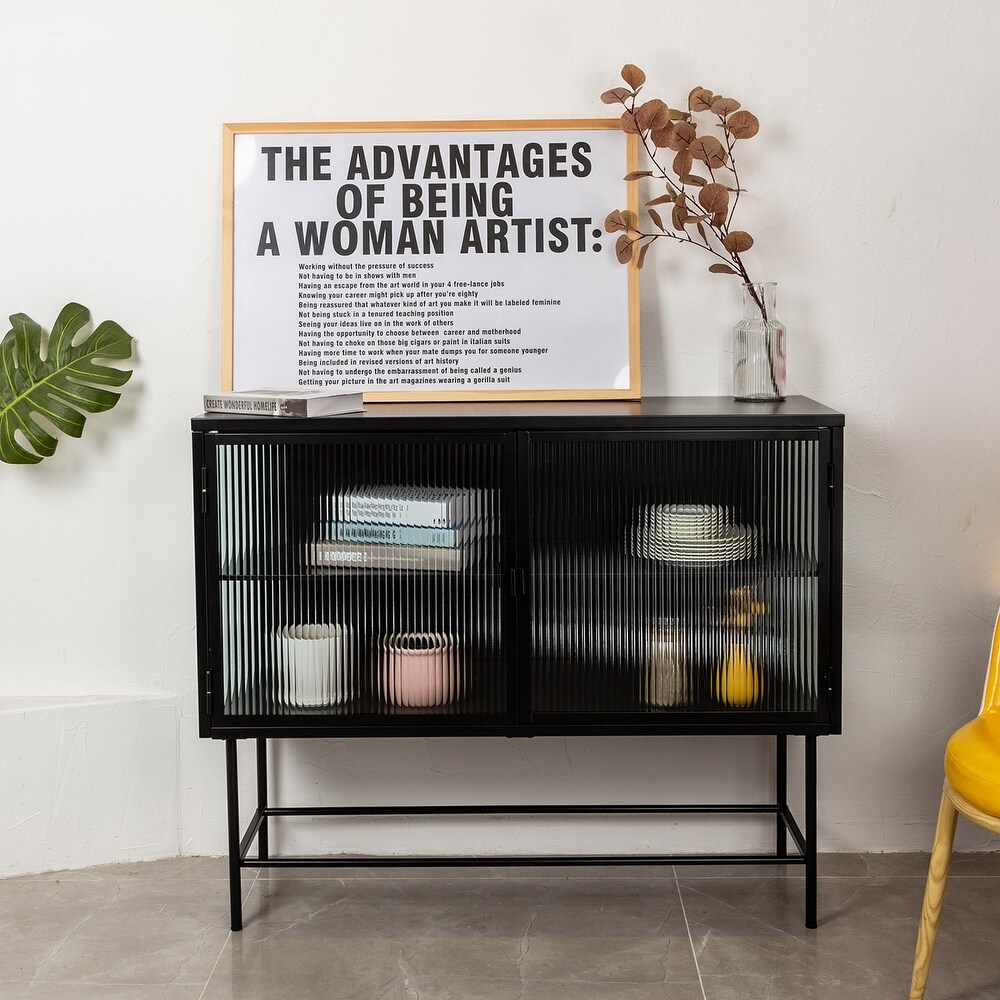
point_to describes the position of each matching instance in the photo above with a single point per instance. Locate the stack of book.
(400, 527)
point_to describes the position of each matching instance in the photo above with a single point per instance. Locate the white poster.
(454, 262)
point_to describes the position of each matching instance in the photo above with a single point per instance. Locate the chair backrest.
(991, 695)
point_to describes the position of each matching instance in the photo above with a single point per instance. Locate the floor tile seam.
(564, 981)
(687, 927)
(788, 878)
(600, 878)
(560, 981)
(497, 878)
(781, 932)
(46, 880)
(475, 878)
(701, 877)
(101, 984)
(462, 878)
(229, 937)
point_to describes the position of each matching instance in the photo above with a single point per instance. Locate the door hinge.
(204, 489)
(831, 484)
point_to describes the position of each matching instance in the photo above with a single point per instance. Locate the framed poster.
(429, 260)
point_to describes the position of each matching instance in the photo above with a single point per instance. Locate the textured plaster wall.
(873, 200)
(86, 779)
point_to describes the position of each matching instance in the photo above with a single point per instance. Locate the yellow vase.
(738, 680)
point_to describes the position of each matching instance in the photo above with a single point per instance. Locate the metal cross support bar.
(786, 825)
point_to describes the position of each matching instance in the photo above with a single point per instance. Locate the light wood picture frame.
(431, 260)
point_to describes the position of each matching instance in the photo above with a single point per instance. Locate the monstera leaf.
(60, 387)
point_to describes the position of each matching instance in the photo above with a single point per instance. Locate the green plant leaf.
(62, 386)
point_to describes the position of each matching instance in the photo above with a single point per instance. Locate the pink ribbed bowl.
(418, 669)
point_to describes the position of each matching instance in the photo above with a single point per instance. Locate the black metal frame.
(785, 825)
(711, 418)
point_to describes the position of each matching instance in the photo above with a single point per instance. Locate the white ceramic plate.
(733, 543)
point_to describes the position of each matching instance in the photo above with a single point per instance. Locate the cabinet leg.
(262, 798)
(233, 802)
(811, 859)
(781, 791)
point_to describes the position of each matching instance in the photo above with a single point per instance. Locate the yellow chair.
(971, 787)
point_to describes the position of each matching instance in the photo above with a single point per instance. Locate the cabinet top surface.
(650, 412)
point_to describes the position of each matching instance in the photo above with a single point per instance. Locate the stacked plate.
(692, 533)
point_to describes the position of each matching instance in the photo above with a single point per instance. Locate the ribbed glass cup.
(759, 346)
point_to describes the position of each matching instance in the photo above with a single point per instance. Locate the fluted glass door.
(676, 576)
(361, 579)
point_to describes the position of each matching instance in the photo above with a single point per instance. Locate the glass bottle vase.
(759, 346)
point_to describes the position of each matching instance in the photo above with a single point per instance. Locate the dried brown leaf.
(617, 95)
(662, 137)
(700, 99)
(694, 179)
(738, 241)
(722, 269)
(678, 116)
(630, 220)
(714, 198)
(678, 216)
(623, 249)
(662, 200)
(682, 163)
(657, 221)
(653, 114)
(615, 222)
(724, 106)
(628, 123)
(701, 233)
(682, 135)
(742, 125)
(642, 255)
(710, 150)
(634, 175)
(633, 76)
(691, 219)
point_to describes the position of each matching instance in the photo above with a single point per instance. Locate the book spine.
(397, 557)
(396, 534)
(398, 510)
(221, 404)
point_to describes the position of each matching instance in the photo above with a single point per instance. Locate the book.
(424, 506)
(366, 556)
(400, 534)
(285, 402)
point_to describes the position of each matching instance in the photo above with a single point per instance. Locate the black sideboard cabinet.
(669, 566)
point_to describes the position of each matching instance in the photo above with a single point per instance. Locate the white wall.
(87, 779)
(872, 197)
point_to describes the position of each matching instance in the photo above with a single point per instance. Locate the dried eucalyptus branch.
(702, 212)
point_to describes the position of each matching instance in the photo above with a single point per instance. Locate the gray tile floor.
(160, 931)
